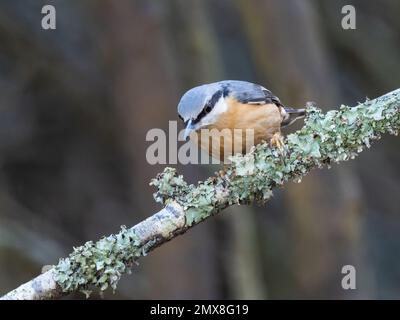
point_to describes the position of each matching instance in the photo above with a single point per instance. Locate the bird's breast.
(240, 127)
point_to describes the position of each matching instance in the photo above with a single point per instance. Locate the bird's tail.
(290, 115)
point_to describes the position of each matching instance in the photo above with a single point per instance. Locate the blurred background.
(76, 104)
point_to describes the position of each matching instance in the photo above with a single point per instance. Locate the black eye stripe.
(209, 105)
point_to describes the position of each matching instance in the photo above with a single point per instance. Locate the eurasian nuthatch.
(233, 105)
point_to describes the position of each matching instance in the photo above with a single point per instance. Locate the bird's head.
(201, 106)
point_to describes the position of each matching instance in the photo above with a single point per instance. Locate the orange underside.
(239, 128)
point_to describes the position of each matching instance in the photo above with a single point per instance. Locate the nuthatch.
(233, 105)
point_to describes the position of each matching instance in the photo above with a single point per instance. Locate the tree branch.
(336, 136)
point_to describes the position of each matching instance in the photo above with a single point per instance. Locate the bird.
(236, 108)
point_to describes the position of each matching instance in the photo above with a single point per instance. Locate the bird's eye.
(208, 109)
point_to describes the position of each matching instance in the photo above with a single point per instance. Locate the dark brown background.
(76, 104)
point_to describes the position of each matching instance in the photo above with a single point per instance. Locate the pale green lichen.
(170, 186)
(99, 264)
(325, 138)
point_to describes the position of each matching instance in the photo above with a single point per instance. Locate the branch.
(325, 139)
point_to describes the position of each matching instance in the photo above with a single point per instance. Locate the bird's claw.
(277, 141)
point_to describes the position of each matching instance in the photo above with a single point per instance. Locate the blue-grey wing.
(247, 92)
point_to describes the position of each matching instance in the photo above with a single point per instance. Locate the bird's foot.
(277, 141)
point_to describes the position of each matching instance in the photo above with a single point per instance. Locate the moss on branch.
(335, 136)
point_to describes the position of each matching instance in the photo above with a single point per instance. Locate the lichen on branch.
(99, 264)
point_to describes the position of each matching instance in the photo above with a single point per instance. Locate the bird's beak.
(188, 130)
